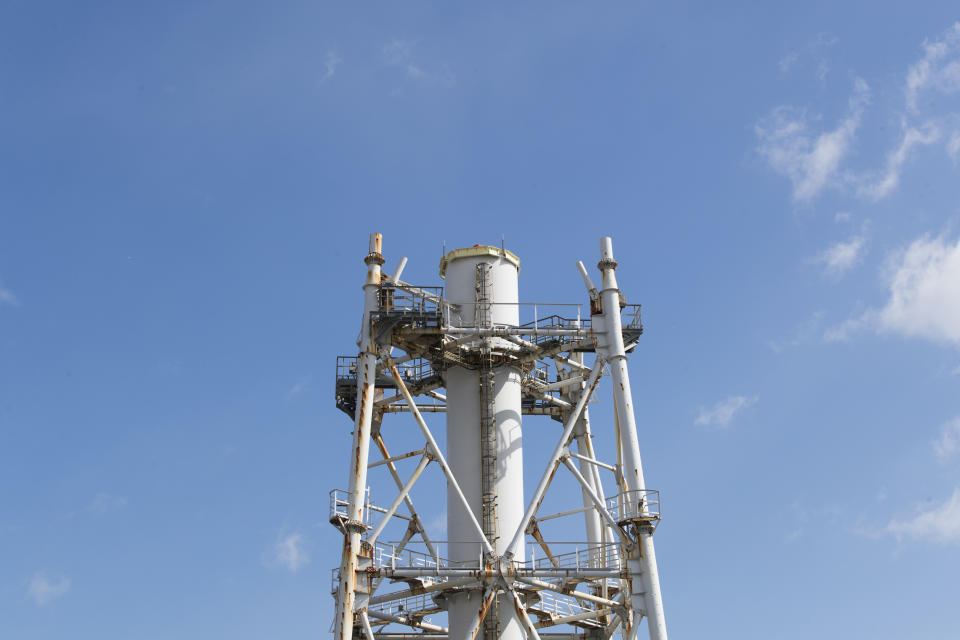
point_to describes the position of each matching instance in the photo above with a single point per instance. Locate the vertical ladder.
(488, 433)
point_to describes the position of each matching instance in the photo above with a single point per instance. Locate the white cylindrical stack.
(464, 445)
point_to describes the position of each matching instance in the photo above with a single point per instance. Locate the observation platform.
(419, 321)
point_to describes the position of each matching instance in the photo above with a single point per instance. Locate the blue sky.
(185, 195)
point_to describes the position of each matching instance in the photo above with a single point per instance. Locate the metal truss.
(597, 587)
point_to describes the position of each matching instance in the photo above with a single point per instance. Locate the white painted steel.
(592, 290)
(363, 419)
(453, 485)
(463, 433)
(368, 632)
(476, 567)
(399, 270)
(404, 490)
(515, 545)
(652, 601)
(597, 532)
(594, 498)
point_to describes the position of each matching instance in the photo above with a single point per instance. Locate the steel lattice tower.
(496, 574)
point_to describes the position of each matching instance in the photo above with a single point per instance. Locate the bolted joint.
(607, 263)
(374, 258)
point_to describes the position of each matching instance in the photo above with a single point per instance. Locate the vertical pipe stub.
(374, 255)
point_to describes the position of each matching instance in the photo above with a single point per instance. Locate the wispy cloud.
(804, 512)
(810, 160)
(720, 414)
(815, 50)
(804, 332)
(813, 160)
(8, 297)
(299, 387)
(842, 256)
(42, 591)
(399, 53)
(924, 302)
(330, 64)
(938, 69)
(104, 502)
(878, 187)
(938, 523)
(289, 552)
(953, 146)
(947, 444)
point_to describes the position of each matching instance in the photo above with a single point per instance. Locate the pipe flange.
(607, 263)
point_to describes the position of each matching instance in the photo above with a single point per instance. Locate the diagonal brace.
(547, 476)
(424, 461)
(435, 449)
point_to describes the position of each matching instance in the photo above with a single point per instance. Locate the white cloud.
(42, 591)
(953, 146)
(7, 297)
(843, 331)
(330, 64)
(947, 444)
(938, 523)
(925, 292)
(104, 502)
(289, 552)
(842, 256)
(815, 51)
(787, 61)
(399, 53)
(924, 282)
(809, 160)
(793, 536)
(938, 69)
(723, 412)
(299, 387)
(842, 216)
(803, 333)
(881, 186)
